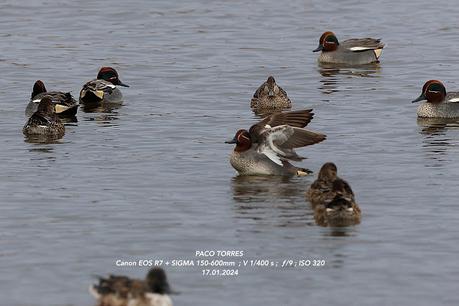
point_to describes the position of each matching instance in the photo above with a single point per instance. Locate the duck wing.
(452, 97)
(282, 91)
(362, 44)
(38, 120)
(57, 97)
(99, 85)
(298, 119)
(259, 90)
(278, 143)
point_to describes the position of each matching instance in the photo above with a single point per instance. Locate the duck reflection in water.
(107, 108)
(436, 141)
(332, 75)
(272, 199)
(105, 114)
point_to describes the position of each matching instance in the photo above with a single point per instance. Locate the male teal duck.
(44, 122)
(340, 208)
(438, 103)
(103, 88)
(65, 105)
(268, 145)
(124, 291)
(355, 51)
(270, 96)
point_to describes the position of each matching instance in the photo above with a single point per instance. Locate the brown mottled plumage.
(318, 190)
(124, 291)
(339, 208)
(270, 96)
(44, 122)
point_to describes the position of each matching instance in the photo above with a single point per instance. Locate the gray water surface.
(151, 179)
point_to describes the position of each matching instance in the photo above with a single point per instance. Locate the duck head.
(157, 281)
(433, 91)
(38, 88)
(46, 106)
(110, 75)
(328, 172)
(270, 89)
(243, 141)
(327, 42)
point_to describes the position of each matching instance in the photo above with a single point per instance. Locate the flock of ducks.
(265, 149)
(47, 109)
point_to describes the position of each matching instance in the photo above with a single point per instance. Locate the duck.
(103, 88)
(339, 208)
(65, 105)
(44, 122)
(317, 192)
(270, 96)
(116, 290)
(438, 103)
(354, 51)
(267, 147)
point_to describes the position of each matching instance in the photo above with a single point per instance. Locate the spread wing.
(362, 44)
(298, 119)
(278, 143)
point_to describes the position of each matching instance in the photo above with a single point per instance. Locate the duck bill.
(231, 141)
(122, 84)
(319, 48)
(420, 98)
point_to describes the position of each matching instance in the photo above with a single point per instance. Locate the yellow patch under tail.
(99, 94)
(58, 108)
(301, 172)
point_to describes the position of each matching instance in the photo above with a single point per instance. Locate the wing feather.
(278, 143)
(362, 44)
(298, 119)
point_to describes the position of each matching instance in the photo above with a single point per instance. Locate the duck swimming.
(44, 122)
(103, 88)
(269, 145)
(65, 105)
(354, 51)
(270, 96)
(124, 291)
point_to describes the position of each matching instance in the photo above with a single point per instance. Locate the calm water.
(151, 179)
